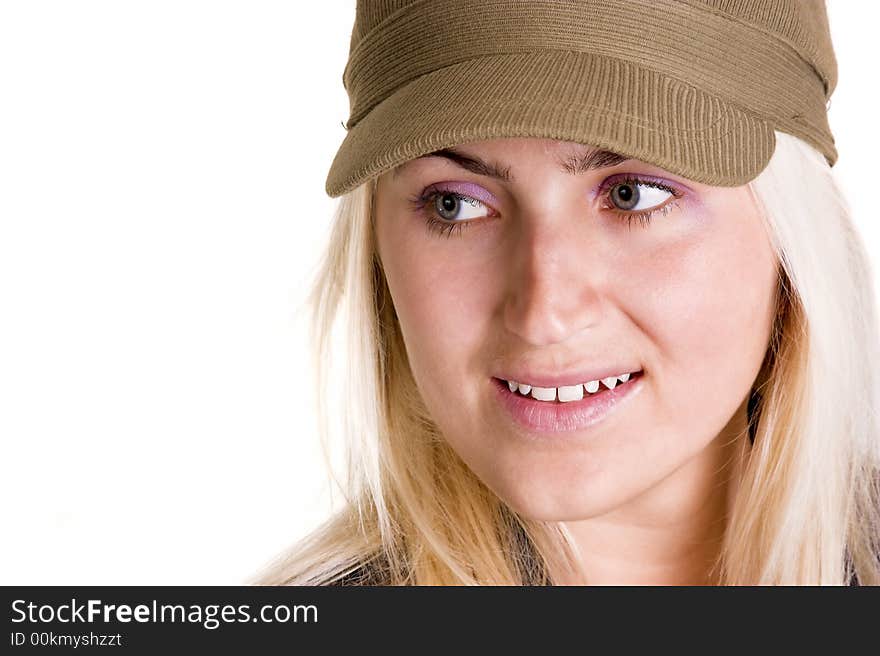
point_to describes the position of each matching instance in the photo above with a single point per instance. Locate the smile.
(554, 416)
(569, 393)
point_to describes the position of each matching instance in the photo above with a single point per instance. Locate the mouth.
(555, 416)
(602, 388)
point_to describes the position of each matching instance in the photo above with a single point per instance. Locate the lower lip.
(557, 417)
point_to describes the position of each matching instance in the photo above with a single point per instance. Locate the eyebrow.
(573, 165)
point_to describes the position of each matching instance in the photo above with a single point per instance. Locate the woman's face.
(543, 280)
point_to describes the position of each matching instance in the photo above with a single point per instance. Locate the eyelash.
(423, 203)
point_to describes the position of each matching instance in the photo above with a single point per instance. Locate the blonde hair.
(807, 510)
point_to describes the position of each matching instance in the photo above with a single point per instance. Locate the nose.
(557, 271)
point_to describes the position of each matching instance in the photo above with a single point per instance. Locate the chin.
(553, 502)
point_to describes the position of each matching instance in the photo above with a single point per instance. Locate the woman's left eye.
(625, 195)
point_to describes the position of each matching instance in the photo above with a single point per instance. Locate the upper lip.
(567, 379)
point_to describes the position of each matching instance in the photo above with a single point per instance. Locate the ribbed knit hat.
(696, 87)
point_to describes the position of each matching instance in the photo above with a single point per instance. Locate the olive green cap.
(693, 86)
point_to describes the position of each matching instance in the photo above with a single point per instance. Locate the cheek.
(443, 306)
(707, 305)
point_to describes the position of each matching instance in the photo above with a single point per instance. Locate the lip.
(555, 417)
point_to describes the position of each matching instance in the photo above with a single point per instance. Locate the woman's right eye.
(446, 211)
(452, 206)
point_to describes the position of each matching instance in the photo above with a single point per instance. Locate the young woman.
(579, 354)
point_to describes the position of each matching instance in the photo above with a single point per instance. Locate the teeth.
(571, 393)
(568, 392)
(544, 393)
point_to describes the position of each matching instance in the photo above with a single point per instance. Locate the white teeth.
(544, 393)
(567, 392)
(571, 393)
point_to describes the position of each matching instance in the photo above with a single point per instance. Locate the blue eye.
(449, 206)
(630, 191)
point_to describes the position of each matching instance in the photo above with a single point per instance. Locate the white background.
(162, 204)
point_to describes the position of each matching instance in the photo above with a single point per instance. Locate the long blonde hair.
(807, 510)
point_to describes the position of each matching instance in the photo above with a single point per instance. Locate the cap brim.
(599, 101)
